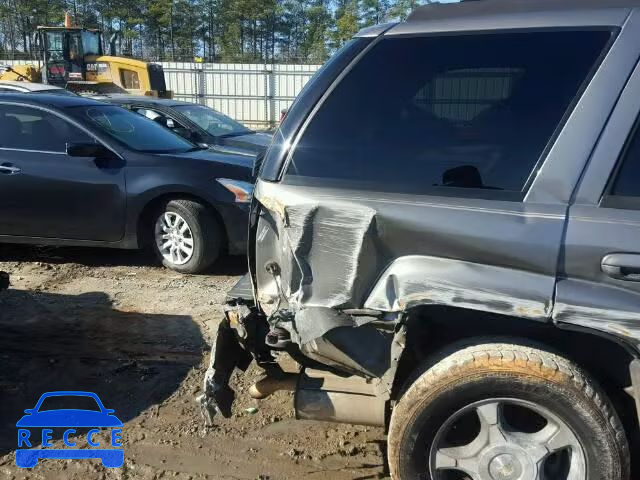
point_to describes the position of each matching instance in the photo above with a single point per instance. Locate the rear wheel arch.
(434, 332)
(506, 371)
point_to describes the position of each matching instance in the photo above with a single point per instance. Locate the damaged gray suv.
(445, 235)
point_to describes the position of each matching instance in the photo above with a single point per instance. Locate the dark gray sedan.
(197, 123)
(74, 171)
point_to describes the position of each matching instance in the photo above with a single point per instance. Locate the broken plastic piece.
(226, 355)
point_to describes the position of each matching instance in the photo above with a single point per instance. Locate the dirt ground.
(117, 324)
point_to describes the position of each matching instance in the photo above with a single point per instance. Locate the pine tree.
(219, 30)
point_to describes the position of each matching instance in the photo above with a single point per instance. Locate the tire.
(534, 384)
(203, 232)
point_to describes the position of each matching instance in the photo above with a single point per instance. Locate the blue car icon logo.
(40, 416)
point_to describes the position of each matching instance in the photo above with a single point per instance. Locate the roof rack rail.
(476, 8)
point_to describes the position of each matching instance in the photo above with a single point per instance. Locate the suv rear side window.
(624, 191)
(417, 114)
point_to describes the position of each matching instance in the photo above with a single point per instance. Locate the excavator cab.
(73, 58)
(66, 53)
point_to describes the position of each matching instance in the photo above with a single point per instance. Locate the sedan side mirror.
(94, 150)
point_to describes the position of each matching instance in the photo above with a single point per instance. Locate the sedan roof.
(124, 98)
(31, 87)
(59, 101)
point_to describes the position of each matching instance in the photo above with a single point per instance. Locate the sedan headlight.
(243, 191)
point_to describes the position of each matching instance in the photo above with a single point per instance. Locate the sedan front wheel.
(186, 236)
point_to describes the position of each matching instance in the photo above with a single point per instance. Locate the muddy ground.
(117, 324)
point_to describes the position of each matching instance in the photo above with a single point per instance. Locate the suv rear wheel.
(186, 236)
(506, 412)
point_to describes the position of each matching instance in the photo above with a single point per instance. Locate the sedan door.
(46, 193)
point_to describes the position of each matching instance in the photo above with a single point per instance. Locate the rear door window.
(469, 115)
(624, 189)
(131, 129)
(26, 128)
(158, 117)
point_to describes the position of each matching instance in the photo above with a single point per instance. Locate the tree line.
(302, 31)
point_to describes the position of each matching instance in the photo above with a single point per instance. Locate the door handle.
(623, 266)
(8, 169)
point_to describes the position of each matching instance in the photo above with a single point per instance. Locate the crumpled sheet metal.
(318, 237)
(422, 280)
(310, 241)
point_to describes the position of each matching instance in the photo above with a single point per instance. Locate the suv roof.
(474, 8)
(502, 15)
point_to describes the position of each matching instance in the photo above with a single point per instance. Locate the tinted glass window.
(303, 104)
(91, 43)
(159, 118)
(32, 129)
(475, 111)
(215, 123)
(626, 183)
(55, 46)
(133, 130)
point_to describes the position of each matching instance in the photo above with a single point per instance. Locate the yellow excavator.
(72, 58)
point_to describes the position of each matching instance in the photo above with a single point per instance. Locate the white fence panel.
(253, 94)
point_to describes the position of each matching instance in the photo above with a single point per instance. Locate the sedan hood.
(218, 157)
(252, 142)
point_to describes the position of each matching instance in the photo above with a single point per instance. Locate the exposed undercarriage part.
(348, 360)
(340, 380)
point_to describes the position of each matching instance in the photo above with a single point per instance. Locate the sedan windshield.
(216, 123)
(133, 130)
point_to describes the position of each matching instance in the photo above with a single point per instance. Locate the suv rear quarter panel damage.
(419, 280)
(380, 256)
(312, 239)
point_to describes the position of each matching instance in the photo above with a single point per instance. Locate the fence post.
(202, 85)
(267, 93)
(273, 90)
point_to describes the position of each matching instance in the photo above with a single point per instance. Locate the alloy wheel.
(506, 439)
(174, 238)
